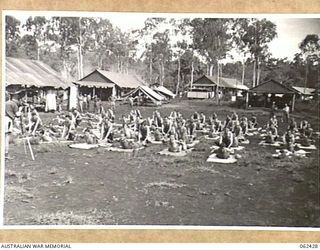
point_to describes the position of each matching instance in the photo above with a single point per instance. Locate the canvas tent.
(144, 95)
(38, 82)
(304, 92)
(164, 92)
(105, 84)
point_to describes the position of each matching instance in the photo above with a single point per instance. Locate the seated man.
(293, 125)
(166, 126)
(128, 133)
(202, 118)
(244, 125)
(182, 133)
(273, 120)
(237, 135)
(89, 137)
(289, 140)
(106, 130)
(126, 144)
(253, 122)
(272, 134)
(35, 123)
(144, 133)
(191, 127)
(158, 136)
(174, 146)
(308, 131)
(68, 132)
(222, 152)
(228, 122)
(77, 117)
(226, 137)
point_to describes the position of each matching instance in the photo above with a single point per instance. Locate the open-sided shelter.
(38, 83)
(271, 91)
(105, 84)
(207, 87)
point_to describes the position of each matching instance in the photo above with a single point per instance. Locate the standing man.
(286, 114)
(11, 112)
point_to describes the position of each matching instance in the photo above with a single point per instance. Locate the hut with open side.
(105, 84)
(37, 82)
(264, 94)
(207, 87)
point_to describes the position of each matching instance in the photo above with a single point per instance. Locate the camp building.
(207, 87)
(105, 84)
(36, 82)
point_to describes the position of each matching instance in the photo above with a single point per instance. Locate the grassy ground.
(68, 186)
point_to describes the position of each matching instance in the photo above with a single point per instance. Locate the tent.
(164, 92)
(144, 94)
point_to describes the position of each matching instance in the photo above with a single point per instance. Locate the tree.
(36, 26)
(12, 35)
(239, 29)
(256, 34)
(30, 46)
(310, 55)
(211, 39)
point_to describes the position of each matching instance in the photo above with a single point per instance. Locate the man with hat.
(11, 112)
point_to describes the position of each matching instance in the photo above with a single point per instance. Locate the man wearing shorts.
(11, 111)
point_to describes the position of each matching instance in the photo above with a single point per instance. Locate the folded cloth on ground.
(214, 158)
(275, 144)
(311, 147)
(156, 142)
(211, 138)
(105, 144)
(83, 146)
(245, 142)
(55, 141)
(114, 149)
(191, 145)
(177, 154)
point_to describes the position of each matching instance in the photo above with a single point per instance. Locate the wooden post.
(293, 100)
(93, 91)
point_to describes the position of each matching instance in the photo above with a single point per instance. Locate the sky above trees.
(291, 29)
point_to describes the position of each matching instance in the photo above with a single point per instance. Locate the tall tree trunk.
(218, 84)
(243, 72)
(178, 82)
(38, 53)
(79, 63)
(211, 69)
(191, 77)
(162, 71)
(80, 49)
(258, 72)
(254, 73)
(150, 71)
(306, 77)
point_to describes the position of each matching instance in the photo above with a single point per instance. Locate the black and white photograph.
(148, 119)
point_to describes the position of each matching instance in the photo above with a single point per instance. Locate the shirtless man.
(107, 130)
(272, 134)
(289, 140)
(226, 137)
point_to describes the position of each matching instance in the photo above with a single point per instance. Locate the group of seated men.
(174, 130)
